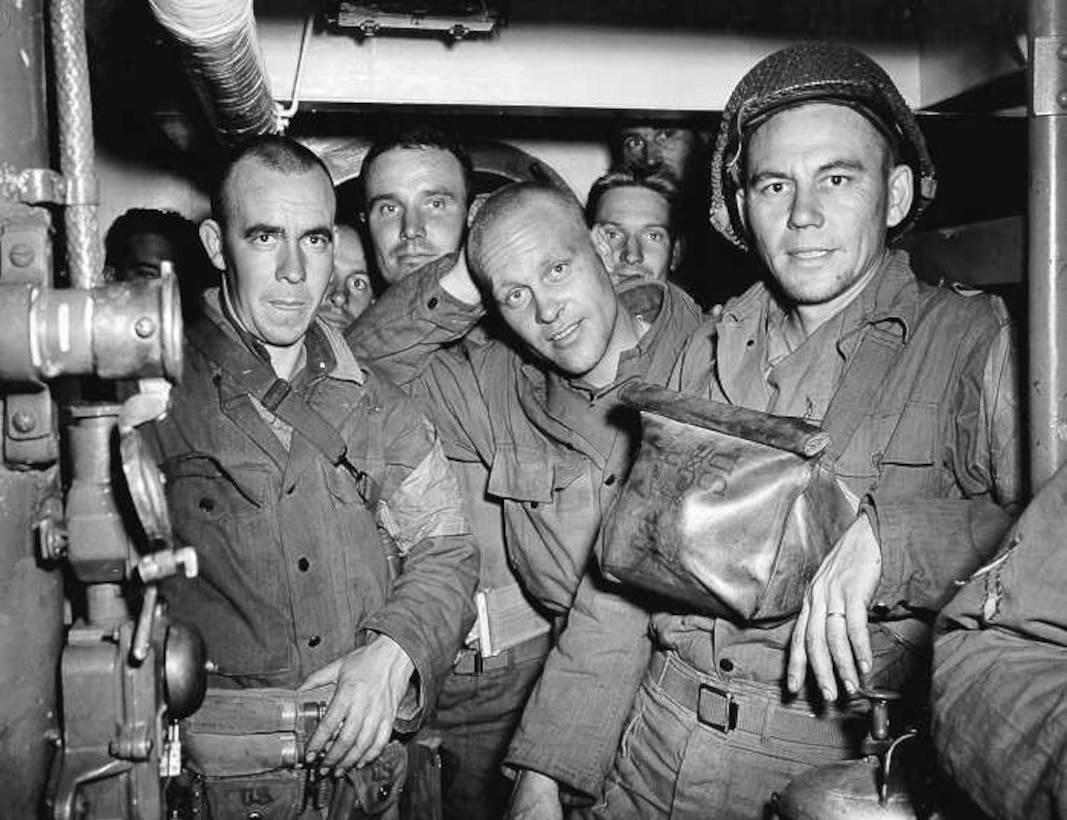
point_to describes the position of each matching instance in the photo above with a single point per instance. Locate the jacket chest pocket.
(534, 477)
(219, 507)
(893, 449)
(549, 541)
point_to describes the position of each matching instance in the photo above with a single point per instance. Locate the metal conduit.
(76, 149)
(217, 39)
(1047, 288)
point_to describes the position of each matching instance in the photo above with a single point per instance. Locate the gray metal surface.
(1047, 382)
(31, 602)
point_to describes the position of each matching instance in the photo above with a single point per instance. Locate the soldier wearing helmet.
(818, 167)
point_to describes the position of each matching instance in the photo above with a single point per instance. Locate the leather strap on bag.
(258, 379)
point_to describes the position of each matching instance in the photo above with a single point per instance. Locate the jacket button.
(534, 505)
(206, 504)
(432, 303)
(303, 564)
(876, 460)
(609, 480)
(726, 665)
(314, 641)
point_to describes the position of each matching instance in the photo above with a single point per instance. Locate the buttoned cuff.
(442, 308)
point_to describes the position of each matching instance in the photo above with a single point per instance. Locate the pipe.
(76, 150)
(217, 40)
(1047, 291)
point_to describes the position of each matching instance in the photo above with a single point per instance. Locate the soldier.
(819, 165)
(350, 292)
(283, 457)
(417, 189)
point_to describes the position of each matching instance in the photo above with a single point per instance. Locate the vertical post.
(31, 595)
(1047, 382)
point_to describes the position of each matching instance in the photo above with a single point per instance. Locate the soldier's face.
(276, 248)
(633, 224)
(552, 288)
(416, 208)
(818, 198)
(667, 150)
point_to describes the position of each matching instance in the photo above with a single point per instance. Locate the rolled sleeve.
(430, 608)
(411, 320)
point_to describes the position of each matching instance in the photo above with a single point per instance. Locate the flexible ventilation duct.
(217, 39)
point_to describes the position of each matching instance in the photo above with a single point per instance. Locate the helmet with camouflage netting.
(807, 73)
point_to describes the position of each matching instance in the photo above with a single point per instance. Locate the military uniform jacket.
(557, 451)
(293, 572)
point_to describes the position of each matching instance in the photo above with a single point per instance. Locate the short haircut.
(628, 178)
(282, 154)
(171, 225)
(419, 136)
(505, 203)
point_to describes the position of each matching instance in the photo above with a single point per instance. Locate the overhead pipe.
(217, 40)
(76, 148)
(1047, 265)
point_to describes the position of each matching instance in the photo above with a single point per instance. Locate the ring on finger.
(835, 614)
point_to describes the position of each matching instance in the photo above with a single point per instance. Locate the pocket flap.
(520, 474)
(913, 440)
(251, 482)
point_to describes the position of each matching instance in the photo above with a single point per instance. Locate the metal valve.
(152, 568)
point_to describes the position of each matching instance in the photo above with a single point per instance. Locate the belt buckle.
(717, 708)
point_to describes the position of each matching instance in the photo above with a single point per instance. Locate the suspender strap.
(258, 379)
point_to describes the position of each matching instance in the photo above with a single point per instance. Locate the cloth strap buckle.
(717, 708)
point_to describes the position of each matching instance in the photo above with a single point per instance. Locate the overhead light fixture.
(456, 19)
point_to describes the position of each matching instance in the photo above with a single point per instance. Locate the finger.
(377, 745)
(798, 658)
(837, 639)
(321, 677)
(328, 728)
(860, 636)
(356, 754)
(822, 666)
(346, 738)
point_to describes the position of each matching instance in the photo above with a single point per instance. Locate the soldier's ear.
(677, 253)
(899, 193)
(211, 239)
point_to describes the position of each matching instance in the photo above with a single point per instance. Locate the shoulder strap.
(259, 380)
(866, 373)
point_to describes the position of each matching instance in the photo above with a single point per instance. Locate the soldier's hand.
(535, 797)
(831, 630)
(458, 282)
(371, 682)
